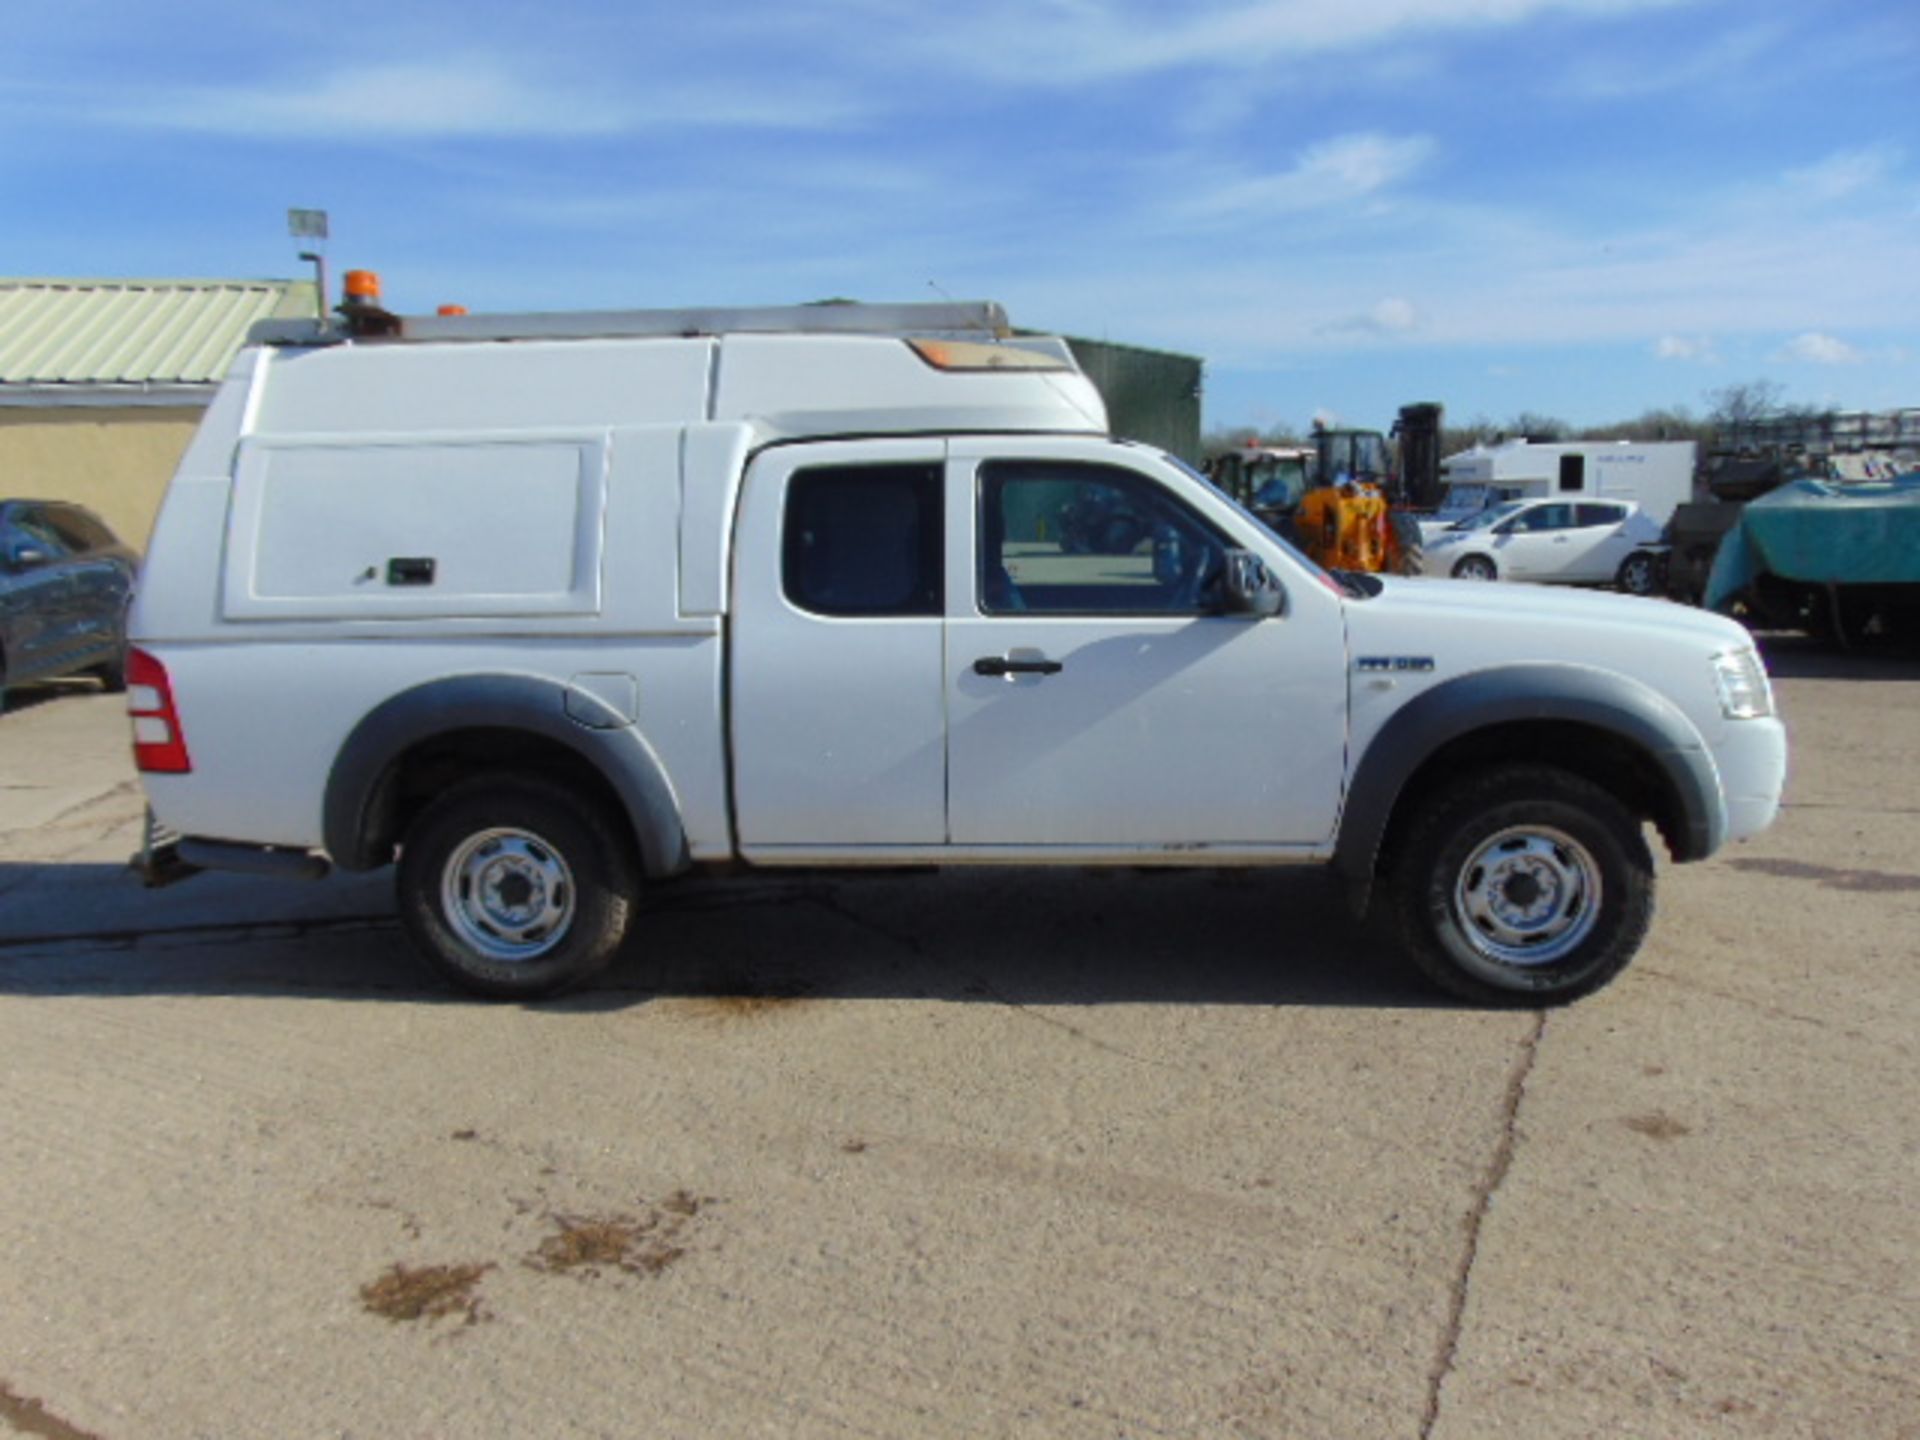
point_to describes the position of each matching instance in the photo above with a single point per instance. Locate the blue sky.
(1581, 208)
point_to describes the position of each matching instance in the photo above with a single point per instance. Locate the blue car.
(64, 585)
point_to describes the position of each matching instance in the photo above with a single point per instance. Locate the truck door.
(1095, 695)
(838, 720)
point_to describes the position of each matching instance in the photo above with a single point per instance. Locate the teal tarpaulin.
(1819, 533)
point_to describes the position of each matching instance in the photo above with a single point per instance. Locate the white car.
(1567, 542)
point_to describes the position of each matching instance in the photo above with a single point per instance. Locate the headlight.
(1744, 692)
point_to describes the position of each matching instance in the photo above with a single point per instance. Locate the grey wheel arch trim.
(581, 722)
(1516, 694)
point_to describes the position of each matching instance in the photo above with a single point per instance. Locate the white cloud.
(1391, 316)
(1332, 173)
(473, 96)
(1847, 172)
(1815, 348)
(1070, 42)
(1722, 61)
(1697, 348)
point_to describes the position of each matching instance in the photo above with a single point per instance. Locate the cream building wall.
(116, 461)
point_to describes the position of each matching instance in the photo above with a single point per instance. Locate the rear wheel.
(515, 888)
(113, 674)
(1639, 573)
(1475, 567)
(1523, 885)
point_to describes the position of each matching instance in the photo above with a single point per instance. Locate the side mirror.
(23, 558)
(1248, 587)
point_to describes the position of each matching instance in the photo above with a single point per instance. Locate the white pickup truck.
(554, 608)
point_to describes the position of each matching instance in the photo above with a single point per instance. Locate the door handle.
(1000, 665)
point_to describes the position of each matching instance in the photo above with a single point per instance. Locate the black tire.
(1413, 547)
(518, 850)
(1639, 574)
(113, 674)
(1552, 857)
(1475, 567)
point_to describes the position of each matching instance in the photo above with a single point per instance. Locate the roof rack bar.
(950, 319)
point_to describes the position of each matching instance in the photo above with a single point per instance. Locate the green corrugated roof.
(134, 332)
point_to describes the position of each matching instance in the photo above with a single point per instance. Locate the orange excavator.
(1348, 525)
(1343, 500)
(1353, 519)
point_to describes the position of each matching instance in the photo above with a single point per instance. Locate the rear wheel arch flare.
(496, 722)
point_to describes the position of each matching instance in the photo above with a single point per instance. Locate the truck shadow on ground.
(34, 693)
(1025, 937)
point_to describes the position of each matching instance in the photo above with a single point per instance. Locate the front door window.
(1076, 539)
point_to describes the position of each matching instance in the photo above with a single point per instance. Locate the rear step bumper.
(166, 859)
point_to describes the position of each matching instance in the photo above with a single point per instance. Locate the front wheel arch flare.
(1691, 814)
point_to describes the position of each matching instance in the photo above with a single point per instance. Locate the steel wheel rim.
(1527, 896)
(508, 894)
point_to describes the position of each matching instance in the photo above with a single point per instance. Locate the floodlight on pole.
(312, 225)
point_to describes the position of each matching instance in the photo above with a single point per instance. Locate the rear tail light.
(159, 744)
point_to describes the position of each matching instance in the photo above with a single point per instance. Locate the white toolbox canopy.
(788, 372)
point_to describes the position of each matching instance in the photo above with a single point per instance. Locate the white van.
(554, 608)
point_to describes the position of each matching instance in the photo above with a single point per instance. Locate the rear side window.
(1601, 514)
(865, 540)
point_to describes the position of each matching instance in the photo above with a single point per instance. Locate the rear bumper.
(157, 862)
(165, 858)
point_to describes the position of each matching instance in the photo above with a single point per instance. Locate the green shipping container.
(1151, 395)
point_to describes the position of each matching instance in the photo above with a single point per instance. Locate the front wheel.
(1475, 567)
(515, 888)
(1523, 885)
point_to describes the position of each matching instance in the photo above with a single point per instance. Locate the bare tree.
(1743, 402)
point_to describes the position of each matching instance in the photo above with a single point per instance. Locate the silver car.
(64, 585)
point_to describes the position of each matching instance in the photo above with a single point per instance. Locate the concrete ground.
(982, 1154)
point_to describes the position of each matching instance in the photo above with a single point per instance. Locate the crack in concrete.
(1029, 1013)
(237, 933)
(839, 909)
(1498, 1165)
